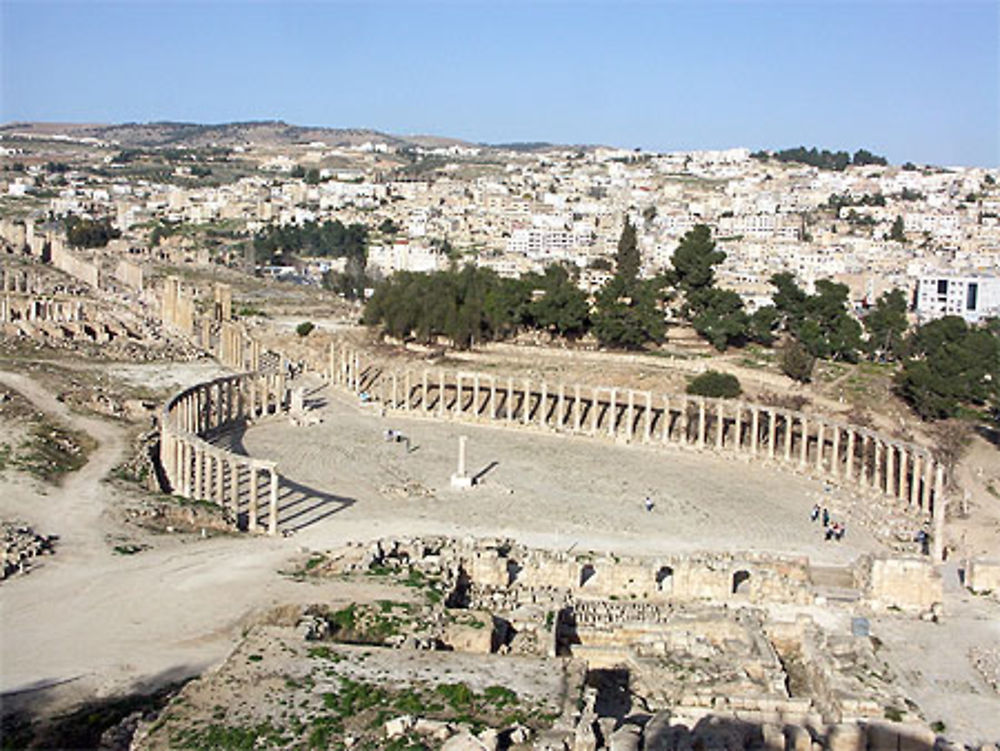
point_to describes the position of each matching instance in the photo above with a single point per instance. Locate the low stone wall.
(196, 469)
(983, 577)
(911, 584)
(852, 456)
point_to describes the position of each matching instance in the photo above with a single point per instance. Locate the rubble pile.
(21, 546)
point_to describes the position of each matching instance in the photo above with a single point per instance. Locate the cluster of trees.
(629, 312)
(837, 202)
(831, 160)
(949, 364)
(279, 244)
(944, 364)
(475, 305)
(310, 176)
(89, 233)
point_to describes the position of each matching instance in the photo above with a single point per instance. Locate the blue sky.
(913, 81)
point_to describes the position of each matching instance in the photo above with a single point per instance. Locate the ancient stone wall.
(130, 274)
(911, 584)
(983, 576)
(69, 263)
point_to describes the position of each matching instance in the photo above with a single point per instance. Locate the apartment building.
(975, 298)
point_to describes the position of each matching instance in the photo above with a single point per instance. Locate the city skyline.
(912, 81)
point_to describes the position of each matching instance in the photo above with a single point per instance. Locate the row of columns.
(198, 470)
(840, 452)
(40, 309)
(18, 280)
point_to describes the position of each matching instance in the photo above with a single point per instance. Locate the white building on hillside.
(975, 298)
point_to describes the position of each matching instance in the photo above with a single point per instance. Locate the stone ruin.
(21, 547)
(688, 639)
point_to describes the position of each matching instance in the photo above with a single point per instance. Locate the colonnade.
(905, 473)
(32, 309)
(196, 469)
(18, 280)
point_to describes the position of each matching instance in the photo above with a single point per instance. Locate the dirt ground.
(90, 623)
(543, 490)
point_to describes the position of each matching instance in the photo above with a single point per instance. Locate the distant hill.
(273, 133)
(192, 135)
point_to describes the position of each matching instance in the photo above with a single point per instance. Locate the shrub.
(797, 363)
(715, 384)
(304, 328)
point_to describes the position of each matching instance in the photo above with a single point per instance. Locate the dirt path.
(89, 623)
(72, 509)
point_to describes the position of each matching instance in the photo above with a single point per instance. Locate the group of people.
(832, 530)
(394, 436)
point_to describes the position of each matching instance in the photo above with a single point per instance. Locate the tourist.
(840, 531)
(826, 517)
(815, 513)
(649, 503)
(924, 539)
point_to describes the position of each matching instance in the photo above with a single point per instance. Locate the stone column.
(940, 506)
(819, 446)
(863, 475)
(577, 413)
(458, 394)
(509, 406)
(647, 428)
(787, 419)
(665, 430)
(754, 428)
(772, 432)
(423, 392)
(915, 461)
(925, 496)
(890, 470)
(475, 395)
(849, 469)
(234, 487)
(877, 474)
(561, 408)
(835, 459)
(220, 492)
(685, 419)
(357, 373)
(630, 415)
(407, 389)
(701, 423)
(493, 398)
(594, 409)
(738, 425)
(804, 448)
(901, 487)
(251, 386)
(612, 414)
(526, 402)
(441, 406)
(543, 405)
(252, 511)
(198, 494)
(720, 425)
(393, 395)
(272, 510)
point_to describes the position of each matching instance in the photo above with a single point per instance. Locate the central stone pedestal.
(461, 480)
